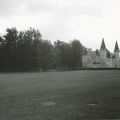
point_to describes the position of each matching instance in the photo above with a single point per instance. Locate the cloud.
(61, 7)
(9, 7)
(86, 20)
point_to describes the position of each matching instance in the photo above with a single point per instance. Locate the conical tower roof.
(103, 47)
(116, 47)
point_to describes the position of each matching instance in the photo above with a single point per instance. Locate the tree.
(84, 50)
(10, 49)
(2, 54)
(76, 54)
(62, 54)
(27, 51)
(46, 55)
(29, 48)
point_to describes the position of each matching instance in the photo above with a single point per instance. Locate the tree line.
(28, 51)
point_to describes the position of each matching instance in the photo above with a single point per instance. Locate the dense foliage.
(27, 51)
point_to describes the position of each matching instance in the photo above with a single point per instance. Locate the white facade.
(101, 58)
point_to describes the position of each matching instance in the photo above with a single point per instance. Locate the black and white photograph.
(59, 60)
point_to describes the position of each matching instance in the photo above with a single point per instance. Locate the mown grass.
(77, 95)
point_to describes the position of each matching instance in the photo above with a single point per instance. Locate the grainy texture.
(76, 95)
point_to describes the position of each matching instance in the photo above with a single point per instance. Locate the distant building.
(102, 58)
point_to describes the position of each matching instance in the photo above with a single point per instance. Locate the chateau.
(102, 58)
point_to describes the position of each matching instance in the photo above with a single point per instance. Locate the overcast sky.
(86, 20)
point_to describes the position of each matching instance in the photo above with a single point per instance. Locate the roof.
(103, 47)
(116, 47)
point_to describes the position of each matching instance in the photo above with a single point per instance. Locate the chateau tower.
(116, 52)
(103, 54)
(102, 58)
(103, 49)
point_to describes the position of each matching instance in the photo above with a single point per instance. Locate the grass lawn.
(72, 95)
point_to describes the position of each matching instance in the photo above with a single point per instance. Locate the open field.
(72, 95)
